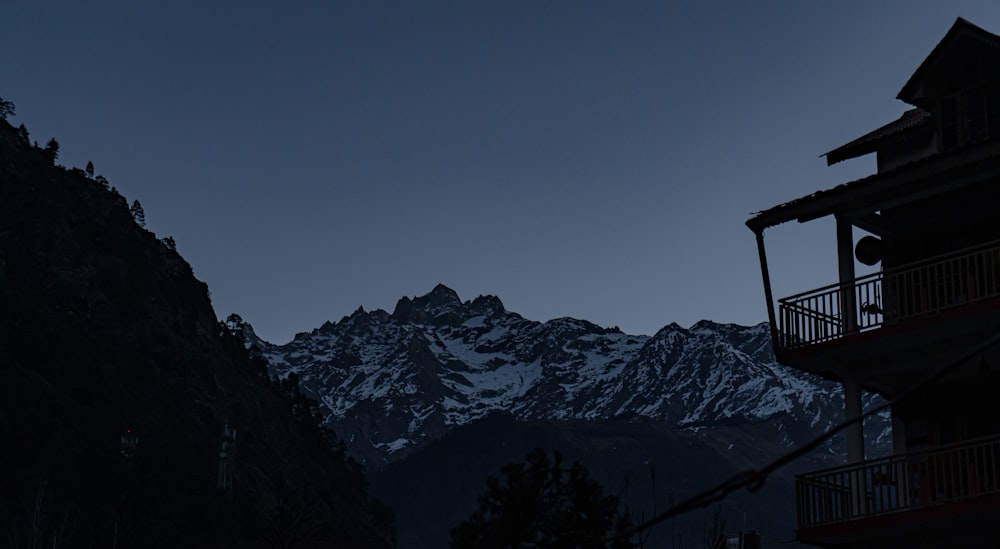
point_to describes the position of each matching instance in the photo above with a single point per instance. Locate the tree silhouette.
(235, 324)
(138, 214)
(52, 148)
(6, 109)
(542, 504)
(90, 169)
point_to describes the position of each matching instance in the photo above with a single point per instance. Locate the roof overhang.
(911, 123)
(934, 175)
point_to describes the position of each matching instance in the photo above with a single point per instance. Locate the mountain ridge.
(392, 382)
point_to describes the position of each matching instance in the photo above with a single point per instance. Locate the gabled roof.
(963, 49)
(868, 143)
(960, 36)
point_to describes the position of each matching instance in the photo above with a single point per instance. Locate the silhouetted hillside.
(116, 384)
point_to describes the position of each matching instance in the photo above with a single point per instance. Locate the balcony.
(886, 327)
(914, 495)
(891, 297)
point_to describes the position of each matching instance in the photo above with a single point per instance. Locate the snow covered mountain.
(391, 383)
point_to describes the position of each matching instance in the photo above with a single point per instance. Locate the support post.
(852, 410)
(845, 263)
(767, 292)
(899, 472)
(855, 446)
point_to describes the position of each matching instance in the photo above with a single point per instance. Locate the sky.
(588, 159)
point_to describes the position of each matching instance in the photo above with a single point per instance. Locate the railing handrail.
(909, 456)
(954, 254)
(935, 476)
(894, 271)
(813, 314)
(830, 288)
(920, 288)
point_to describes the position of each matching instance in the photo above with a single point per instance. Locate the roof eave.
(874, 192)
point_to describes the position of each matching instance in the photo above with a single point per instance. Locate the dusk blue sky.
(588, 159)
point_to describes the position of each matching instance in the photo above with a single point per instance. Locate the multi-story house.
(923, 327)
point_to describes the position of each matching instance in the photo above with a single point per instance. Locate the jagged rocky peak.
(359, 316)
(326, 328)
(441, 306)
(727, 328)
(487, 305)
(440, 296)
(359, 319)
(670, 332)
(569, 325)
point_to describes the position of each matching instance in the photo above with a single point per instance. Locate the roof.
(931, 175)
(960, 32)
(920, 179)
(913, 118)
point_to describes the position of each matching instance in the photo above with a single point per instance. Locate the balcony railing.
(889, 297)
(936, 476)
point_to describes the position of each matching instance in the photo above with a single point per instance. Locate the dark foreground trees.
(543, 504)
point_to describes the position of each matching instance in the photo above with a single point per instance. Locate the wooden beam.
(767, 293)
(873, 223)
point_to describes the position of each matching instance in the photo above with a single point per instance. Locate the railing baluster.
(886, 485)
(924, 288)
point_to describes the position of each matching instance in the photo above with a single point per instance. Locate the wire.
(753, 479)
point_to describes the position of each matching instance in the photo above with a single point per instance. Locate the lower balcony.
(944, 496)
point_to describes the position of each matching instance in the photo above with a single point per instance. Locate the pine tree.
(52, 148)
(6, 109)
(542, 504)
(90, 169)
(137, 214)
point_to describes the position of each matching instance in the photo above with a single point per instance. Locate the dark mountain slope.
(105, 335)
(646, 463)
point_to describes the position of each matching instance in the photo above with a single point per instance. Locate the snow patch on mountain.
(391, 382)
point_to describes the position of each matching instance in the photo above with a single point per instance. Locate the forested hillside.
(118, 385)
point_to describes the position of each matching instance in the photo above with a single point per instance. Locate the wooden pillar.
(852, 410)
(845, 263)
(898, 433)
(899, 472)
(855, 446)
(767, 293)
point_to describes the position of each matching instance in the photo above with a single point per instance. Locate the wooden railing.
(895, 295)
(877, 487)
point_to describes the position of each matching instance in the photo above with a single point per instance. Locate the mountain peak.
(442, 295)
(428, 308)
(487, 305)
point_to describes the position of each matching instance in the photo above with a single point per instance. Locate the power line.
(753, 479)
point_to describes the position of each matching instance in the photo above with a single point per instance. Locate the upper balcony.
(913, 500)
(926, 312)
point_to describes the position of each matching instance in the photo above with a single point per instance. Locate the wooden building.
(923, 329)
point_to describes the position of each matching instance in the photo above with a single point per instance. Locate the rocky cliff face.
(116, 384)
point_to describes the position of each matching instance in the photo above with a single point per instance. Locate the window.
(970, 116)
